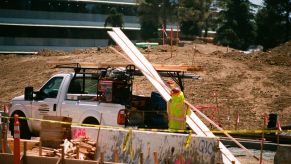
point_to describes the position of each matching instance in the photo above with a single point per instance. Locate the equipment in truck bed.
(127, 72)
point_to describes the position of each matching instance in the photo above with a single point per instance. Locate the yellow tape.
(188, 140)
(126, 139)
(249, 131)
(153, 130)
(131, 151)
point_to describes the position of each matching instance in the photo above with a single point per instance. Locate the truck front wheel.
(91, 120)
(24, 130)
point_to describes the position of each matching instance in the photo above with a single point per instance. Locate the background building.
(31, 25)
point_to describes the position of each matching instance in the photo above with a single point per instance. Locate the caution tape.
(249, 131)
(131, 151)
(126, 140)
(153, 130)
(101, 126)
(188, 140)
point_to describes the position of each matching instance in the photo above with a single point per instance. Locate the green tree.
(153, 14)
(273, 22)
(194, 16)
(114, 19)
(237, 28)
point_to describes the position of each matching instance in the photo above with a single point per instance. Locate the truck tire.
(91, 120)
(23, 125)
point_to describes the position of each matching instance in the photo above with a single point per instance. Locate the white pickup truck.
(84, 95)
(66, 94)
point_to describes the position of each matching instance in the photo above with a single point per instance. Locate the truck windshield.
(51, 88)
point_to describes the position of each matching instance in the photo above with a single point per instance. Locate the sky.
(257, 2)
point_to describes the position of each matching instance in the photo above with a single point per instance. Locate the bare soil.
(246, 84)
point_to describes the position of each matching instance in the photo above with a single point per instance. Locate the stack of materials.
(83, 148)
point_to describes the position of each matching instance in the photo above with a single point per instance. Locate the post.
(194, 51)
(279, 129)
(278, 139)
(237, 121)
(4, 129)
(16, 150)
(101, 157)
(78, 151)
(156, 161)
(263, 139)
(177, 36)
(24, 152)
(63, 155)
(141, 158)
(181, 159)
(171, 37)
(163, 31)
(97, 140)
(116, 156)
(218, 111)
(40, 148)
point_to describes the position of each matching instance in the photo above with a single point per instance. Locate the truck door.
(46, 101)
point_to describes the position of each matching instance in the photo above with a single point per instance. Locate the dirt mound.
(47, 52)
(280, 55)
(248, 84)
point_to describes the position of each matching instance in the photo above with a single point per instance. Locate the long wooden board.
(193, 121)
(139, 56)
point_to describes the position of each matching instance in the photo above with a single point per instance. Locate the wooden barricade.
(52, 134)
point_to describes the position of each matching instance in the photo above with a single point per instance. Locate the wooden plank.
(138, 63)
(197, 125)
(138, 54)
(194, 126)
(184, 68)
(156, 160)
(29, 146)
(158, 67)
(141, 158)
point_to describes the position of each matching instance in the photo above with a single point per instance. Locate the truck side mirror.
(28, 93)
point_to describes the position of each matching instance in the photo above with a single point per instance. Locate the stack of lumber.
(83, 148)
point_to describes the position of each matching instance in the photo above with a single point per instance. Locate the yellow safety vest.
(177, 112)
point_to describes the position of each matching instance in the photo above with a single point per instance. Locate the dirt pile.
(277, 56)
(245, 84)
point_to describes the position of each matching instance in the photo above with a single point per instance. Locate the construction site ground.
(250, 85)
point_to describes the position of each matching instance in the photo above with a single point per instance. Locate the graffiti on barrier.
(205, 147)
(79, 133)
(179, 161)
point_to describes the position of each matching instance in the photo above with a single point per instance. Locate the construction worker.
(177, 110)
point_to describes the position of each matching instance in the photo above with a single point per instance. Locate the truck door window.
(51, 88)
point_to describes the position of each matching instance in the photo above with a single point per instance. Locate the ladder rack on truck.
(115, 86)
